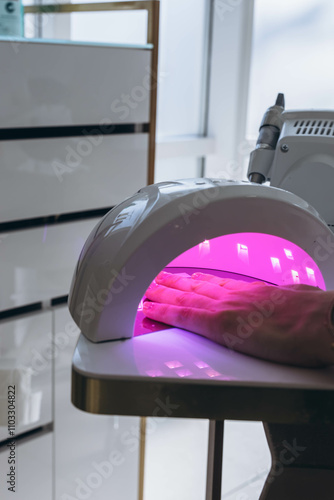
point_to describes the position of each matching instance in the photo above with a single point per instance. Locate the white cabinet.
(26, 362)
(71, 138)
(38, 264)
(64, 83)
(96, 456)
(74, 142)
(33, 469)
(44, 177)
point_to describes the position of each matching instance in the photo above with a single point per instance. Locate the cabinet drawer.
(33, 472)
(54, 176)
(38, 264)
(26, 363)
(52, 84)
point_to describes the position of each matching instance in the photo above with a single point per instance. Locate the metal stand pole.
(215, 460)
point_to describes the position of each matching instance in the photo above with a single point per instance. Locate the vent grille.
(314, 127)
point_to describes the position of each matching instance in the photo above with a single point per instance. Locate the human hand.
(287, 324)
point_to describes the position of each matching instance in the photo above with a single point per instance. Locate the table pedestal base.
(302, 462)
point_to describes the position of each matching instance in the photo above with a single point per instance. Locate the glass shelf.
(147, 46)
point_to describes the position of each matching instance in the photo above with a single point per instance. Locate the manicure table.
(175, 373)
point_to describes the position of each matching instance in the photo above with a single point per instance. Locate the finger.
(302, 287)
(170, 280)
(196, 320)
(228, 283)
(166, 295)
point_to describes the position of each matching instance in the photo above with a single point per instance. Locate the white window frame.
(229, 85)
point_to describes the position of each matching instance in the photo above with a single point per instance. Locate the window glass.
(30, 22)
(181, 63)
(293, 46)
(129, 27)
(167, 169)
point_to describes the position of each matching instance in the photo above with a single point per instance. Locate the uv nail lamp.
(231, 229)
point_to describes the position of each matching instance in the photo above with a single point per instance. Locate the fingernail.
(153, 285)
(147, 305)
(196, 275)
(162, 275)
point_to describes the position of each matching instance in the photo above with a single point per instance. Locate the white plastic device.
(295, 152)
(145, 233)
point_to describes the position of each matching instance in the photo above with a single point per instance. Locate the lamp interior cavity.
(241, 256)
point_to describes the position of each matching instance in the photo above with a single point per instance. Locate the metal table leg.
(215, 460)
(142, 445)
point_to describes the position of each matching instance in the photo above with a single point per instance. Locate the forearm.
(291, 324)
(298, 332)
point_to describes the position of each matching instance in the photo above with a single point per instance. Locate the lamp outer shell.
(140, 236)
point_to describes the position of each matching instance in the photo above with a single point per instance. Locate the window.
(293, 44)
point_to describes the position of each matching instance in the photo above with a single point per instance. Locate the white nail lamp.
(234, 229)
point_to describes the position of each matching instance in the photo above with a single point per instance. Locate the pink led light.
(212, 373)
(173, 364)
(201, 364)
(154, 373)
(276, 264)
(204, 248)
(295, 276)
(242, 252)
(249, 255)
(184, 372)
(288, 253)
(310, 274)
